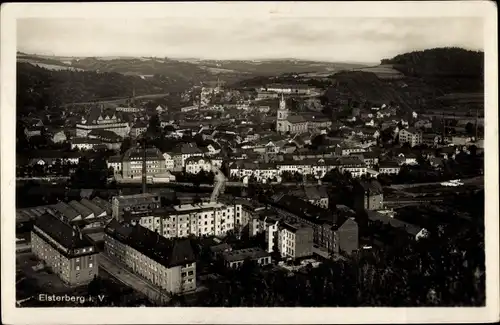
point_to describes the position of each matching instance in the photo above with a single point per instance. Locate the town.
(346, 187)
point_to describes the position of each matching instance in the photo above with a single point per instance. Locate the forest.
(449, 69)
(40, 88)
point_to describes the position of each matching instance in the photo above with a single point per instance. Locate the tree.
(469, 128)
(154, 127)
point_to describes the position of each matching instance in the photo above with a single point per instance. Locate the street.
(129, 279)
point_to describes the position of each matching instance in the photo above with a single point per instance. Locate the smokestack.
(477, 121)
(144, 177)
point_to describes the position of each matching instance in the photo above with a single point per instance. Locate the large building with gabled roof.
(169, 264)
(102, 119)
(69, 253)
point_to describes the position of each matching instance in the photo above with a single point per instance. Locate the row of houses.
(315, 167)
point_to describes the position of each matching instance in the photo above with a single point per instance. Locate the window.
(90, 265)
(183, 274)
(78, 268)
(78, 260)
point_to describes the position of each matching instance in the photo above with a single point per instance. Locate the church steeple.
(282, 103)
(282, 116)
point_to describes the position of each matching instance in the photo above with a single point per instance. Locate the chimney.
(144, 171)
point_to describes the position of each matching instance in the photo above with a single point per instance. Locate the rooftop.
(295, 226)
(371, 186)
(190, 207)
(97, 210)
(136, 198)
(167, 252)
(395, 223)
(67, 211)
(242, 254)
(136, 153)
(61, 232)
(80, 208)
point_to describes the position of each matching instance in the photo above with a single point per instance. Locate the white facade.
(286, 243)
(169, 161)
(196, 165)
(214, 219)
(412, 138)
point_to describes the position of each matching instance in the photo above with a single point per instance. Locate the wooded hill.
(427, 75)
(40, 87)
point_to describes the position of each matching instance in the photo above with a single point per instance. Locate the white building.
(102, 120)
(169, 161)
(410, 136)
(85, 143)
(184, 152)
(194, 165)
(214, 219)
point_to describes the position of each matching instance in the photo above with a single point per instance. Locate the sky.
(364, 40)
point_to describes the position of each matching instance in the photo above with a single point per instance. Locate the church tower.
(281, 117)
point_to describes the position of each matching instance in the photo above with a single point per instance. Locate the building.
(138, 128)
(431, 139)
(86, 143)
(169, 161)
(62, 247)
(389, 168)
(133, 207)
(183, 152)
(411, 136)
(110, 139)
(315, 195)
(129, 109)
(99, 119)
(295, 240)
(115, 162)
(335, 231)
(263, 94)
(168, 264)
(297, 123)
(206, 218)
(59, 137)
(288, 89)
(194, 165)
(355, 166)
(236, 258)
(133, 160)
(369, 195)
(413, 232)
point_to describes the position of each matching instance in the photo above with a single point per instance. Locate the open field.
(383, 71)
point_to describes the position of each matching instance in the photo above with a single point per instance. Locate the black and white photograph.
(233, 155)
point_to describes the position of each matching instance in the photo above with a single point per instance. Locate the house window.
(78, 268)
(90, 265)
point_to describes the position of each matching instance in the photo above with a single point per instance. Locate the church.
(297, 123)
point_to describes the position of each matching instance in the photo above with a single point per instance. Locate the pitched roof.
(395, 223)
(103, 204)
(296, 119)
(242, 254)
(80, 208)
(97, 210)
(67, 211)
(167, 252)
(140, 124)
(372, 187)
(187, 148)
(152, 153)
(61, 232)
(105, 135)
